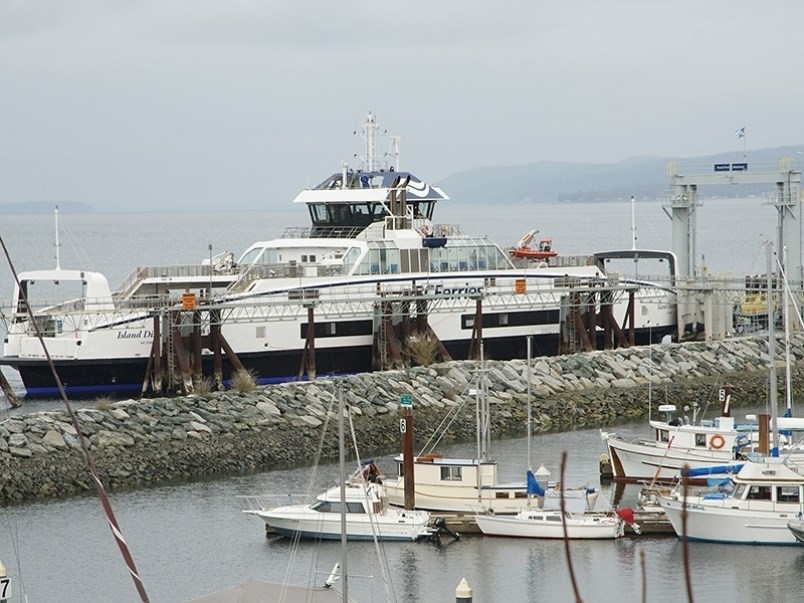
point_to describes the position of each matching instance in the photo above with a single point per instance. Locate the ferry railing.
(176, 271)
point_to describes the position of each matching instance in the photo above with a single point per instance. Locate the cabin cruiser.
(768, 494)
(342, 295)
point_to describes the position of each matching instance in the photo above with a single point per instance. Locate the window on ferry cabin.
(700, 439)
(662, 435)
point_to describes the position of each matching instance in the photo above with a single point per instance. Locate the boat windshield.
(328, 506)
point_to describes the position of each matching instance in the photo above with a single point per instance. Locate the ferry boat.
(339, 296)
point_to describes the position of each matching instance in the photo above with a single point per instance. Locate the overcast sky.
(239, 104)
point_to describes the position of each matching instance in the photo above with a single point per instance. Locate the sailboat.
(538, 522)
(471, 485)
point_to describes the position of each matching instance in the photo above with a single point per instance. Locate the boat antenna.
(57, 244)
(370, 131)
(633, 225)
(107, 505)
(396, 151)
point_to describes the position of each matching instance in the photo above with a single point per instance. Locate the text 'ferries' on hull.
(373, 274)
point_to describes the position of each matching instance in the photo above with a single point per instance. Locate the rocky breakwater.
(156, 440)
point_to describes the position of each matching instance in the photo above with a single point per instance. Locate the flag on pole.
(740, 133)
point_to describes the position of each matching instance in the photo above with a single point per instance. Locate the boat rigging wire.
(107, 506)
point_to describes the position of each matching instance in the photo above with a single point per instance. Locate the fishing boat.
(768, 494)
(679, 442)
(339, 296)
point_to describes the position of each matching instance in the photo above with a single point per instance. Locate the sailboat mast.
(528, 465)
(788, 381)
(772, 354)
(57, 244)
(342, 460)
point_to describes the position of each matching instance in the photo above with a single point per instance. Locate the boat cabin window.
(346, 214)
(422, 209)
(700, 439)
(787, 494)
(326, 506)
(451, 474)
(759, 493)
(739, 491)
(662, 435)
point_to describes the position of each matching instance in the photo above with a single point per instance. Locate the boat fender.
(716, 441)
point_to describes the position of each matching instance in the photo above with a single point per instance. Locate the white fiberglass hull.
(390, 525)
(720, 521)
(549, 525)
(645, 460)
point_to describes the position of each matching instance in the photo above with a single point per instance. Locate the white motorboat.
(367, 517)
(340, 296)
(677, 443)
(768, 494)
(540, 523)
(797, 530)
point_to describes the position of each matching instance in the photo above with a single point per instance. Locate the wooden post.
(197, 367)
(406, 427)
(308, 354)
(764, 433)
(476, 339)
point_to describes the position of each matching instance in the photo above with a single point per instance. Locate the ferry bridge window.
(318, 213)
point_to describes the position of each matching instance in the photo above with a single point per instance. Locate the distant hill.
(642, 177)
(45, 207)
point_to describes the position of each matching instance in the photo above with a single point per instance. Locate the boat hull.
(720, 521)
(299, 521)
(550, 526)
(114, 375)
(644, 460)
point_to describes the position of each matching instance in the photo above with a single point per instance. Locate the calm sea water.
(190, 538)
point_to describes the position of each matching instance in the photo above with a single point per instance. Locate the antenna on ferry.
(57, 244)
(633, 225)
(396, 152)
(370, 131)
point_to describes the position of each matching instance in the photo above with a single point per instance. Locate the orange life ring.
(716, 441)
